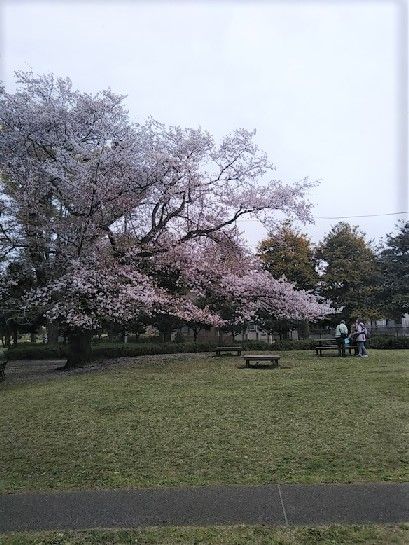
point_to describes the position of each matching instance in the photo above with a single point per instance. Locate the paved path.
(273, 504)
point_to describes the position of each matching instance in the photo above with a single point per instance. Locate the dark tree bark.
(284, 335)
(79, 349)
(115, 335)
(52, 333)
(304, 329)
(165, 335)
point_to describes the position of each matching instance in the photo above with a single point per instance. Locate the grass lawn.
(195, 420)
(234, 535)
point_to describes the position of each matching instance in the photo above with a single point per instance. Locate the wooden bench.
(334, 347)
(320, 349)
(262, 357)
(220, 349)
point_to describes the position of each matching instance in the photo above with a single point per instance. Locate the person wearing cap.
(341, 333)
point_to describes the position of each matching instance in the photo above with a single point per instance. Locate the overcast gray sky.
(324, 83)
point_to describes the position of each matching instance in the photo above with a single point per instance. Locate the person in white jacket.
(341, 333)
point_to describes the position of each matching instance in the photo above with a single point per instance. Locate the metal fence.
(392, 331)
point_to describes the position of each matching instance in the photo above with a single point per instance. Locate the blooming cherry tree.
(106, 208)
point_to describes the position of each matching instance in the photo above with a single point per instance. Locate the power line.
(341, 217)
(362, 216)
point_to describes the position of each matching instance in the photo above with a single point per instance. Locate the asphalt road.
(270, 505)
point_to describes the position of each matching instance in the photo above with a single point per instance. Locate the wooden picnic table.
(331, 344)
(322, 342)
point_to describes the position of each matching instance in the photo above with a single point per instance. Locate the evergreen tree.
(288, 252)
(394, 263)
(349, 273)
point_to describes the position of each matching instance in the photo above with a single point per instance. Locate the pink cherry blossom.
(120, 220)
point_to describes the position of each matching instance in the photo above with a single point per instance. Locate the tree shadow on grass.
(227, 355)
(264, 366)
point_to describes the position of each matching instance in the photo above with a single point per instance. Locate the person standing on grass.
(341, 333)
(361, 338)
(352, 339)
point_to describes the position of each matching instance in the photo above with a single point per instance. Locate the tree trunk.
(304, 329)
(52, 333)
(79, 349)
(15, 336)
(114, 335)
(166, 335)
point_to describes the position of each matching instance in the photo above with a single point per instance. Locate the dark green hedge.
(45, 351)
(286, 344)
(150, 349)
(388, 343)
(37, 352)
(111, 350)
(380, 342)
(115, 350)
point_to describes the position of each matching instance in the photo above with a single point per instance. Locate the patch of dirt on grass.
(23, 371)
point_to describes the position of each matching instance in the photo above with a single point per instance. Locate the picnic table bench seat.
(273, 358)
(321, 348)
(220, 349)
(334, 347)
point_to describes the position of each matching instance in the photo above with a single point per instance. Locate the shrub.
(108, 350)
(254, 345)
(30, 351)
(284, 344)
(116, 350)
(179, 338)
(388, 342)
(380, 342)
